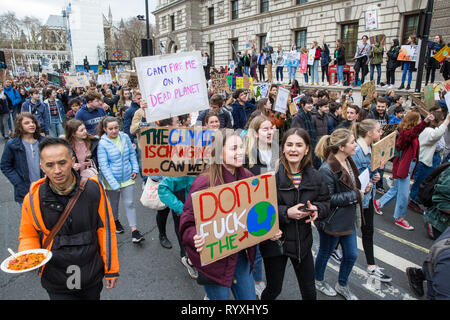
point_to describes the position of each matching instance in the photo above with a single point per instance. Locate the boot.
(408, 87)
(402, 86)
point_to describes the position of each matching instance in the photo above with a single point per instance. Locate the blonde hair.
(251, 141)
(362, 128)
(331, 143)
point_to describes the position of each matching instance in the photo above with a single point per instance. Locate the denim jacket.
(363, 160)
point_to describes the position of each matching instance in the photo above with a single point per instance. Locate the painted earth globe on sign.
(261, 219)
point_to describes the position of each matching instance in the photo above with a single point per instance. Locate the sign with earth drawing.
(235, 216)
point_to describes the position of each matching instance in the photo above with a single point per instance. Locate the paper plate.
(4, 265)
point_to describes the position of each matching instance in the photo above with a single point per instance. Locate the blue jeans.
(243, 289)
(292, 71)
(372, 71)
(280, 73)
(327, 245)
(340, 73)
(55, 129)
(257, 266)
(315, 72)
(422, 172)
(400, 192)
(407, 69)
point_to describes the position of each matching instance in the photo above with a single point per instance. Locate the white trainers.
(378, 274)
(325, 288)
(345, 292)
(259, 288)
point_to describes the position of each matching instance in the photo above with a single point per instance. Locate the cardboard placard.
(77, 81)
(172, 151)
(442, 54)
(383, 149)
(388, 129)
(311, 56)
(408, 53)
(293, 109)
(235, 216)
(220, 83)
(380, 38)
(282, 100)
(368, 89)
(421, 106)
(428, 96)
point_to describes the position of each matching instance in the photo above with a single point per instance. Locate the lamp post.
(425, 33)
(148, 45)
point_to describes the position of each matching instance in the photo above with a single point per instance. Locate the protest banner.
(123, 78)
(76, 81)
(408, 53)
(297, 99)
(292, 58)
(235, 216)
(304, 63)
(220, 83)
(172, 84)
(172, 151)
(421, 106)
(428, 96)
(446, 85)
(383, 149)
(239, 83)
(311, 56)
(368, 89)
(282, 100)
(380, 38)
(55, 79)
(293, 109)
(442, 54)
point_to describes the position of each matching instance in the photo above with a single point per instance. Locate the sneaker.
(377, 208)
(193, 273)
(259, 288)
(345, 292)
(404, 224)
(136, 236)
(337, 256)
(415, 280)
(378, 274)
(325, 288)
(119, 228)
(205, 297)
(415, 207)
(165, 243)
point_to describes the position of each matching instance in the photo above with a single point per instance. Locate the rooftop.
(55, 21)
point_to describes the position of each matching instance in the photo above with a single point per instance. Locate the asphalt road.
(148, 271)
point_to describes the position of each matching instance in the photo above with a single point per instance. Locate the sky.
(41, 9)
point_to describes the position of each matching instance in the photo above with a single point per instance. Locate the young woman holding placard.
(302, 197)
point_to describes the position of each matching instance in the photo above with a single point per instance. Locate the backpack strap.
(430, 262)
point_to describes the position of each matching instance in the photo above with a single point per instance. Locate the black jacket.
(345, 196)
(392, 54)
(340, 60)
(297, 235)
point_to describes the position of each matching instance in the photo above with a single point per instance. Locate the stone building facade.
(218, 26)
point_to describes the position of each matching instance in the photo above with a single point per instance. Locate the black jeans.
(161, 221)
(367, 233)
(275, 268)
(325, 73)
(390, 76)
(432, 72)
(91, 293)
(261, 67)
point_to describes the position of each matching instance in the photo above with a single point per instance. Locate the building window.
(211, 16)
(349, 34)
(172, 23)
(234, 9)
(300, 39)
(211, 53)
(234, 48)
(264, 6)
(302, 1)
(409, 26)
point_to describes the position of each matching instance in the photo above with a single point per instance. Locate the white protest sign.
(311, 56)
(172, 84)
(282, 99)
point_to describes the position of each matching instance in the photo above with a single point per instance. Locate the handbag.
(90, 171)
(65, 213)
(150, 197)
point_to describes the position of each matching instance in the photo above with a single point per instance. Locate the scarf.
(66, 191)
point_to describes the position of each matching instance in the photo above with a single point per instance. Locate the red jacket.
(408, 144)
(221, 271)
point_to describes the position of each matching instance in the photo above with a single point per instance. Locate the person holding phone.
(302, 197)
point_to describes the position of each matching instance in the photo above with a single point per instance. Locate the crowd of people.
(58, 137)
(368, 57)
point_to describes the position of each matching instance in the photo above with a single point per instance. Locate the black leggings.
(91, 293)
(367, 233)
(275, 268)
(161, 221)
(432, 72)
(390, 76)
(325, 73)
(261, 67)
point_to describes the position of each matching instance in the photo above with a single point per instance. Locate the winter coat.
(383, 120)
(340, 58)
(333, 122)
(93, 151)
(116, 167)
(363, 160)
(325, 56)
(127, 119)
(321, 124)
(14, 97)
(438, 215)
(4, 106)
(39, 111)
(297, 239)
(408, 146)
(432, 63)
(376, 54)
(14, 166)
(170, 187)
(224, 118)
(345, 197)
(241, 113)
(392, 55)
(221, 271)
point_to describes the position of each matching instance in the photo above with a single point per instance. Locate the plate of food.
(25, 261)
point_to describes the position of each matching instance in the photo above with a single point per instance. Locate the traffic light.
(105, 64)
(146, 43)
(86, 64)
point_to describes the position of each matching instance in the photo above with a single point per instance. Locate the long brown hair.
(409, 121)
(70, 130)
(18, 130)
(330, 143)
(307, 158)
(260, 105)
